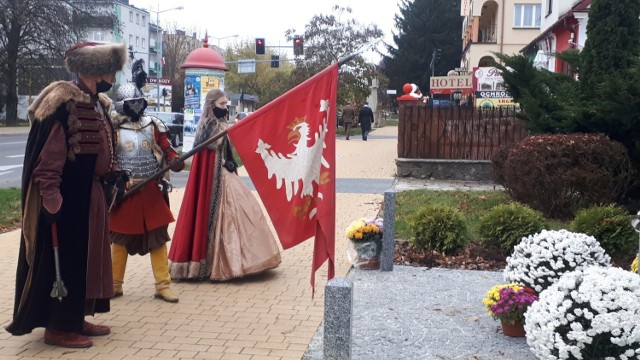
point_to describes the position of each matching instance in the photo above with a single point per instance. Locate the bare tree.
(33, 37)
(329, 37)
(177, 44)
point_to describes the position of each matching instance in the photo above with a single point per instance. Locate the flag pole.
(363, 48)
(182, 158)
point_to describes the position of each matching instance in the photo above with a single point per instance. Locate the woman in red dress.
(221, 232)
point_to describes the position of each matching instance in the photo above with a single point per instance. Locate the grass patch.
(10, 211)
(473, 204)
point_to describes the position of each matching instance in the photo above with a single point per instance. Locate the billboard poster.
(192, 92)
(489, 88)
(209, 83)
(197, 83)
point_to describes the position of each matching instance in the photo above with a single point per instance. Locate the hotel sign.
(449, 84)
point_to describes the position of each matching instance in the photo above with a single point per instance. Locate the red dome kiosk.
(204, 70)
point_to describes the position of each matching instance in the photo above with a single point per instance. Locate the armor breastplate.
(135, 151)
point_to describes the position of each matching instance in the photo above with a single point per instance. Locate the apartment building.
(132, 28)
(503, 26)
(563, 27)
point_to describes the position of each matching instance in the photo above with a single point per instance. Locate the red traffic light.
(260, 46)
(298, 45)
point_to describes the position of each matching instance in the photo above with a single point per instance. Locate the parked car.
(242, 115)
(175, 123)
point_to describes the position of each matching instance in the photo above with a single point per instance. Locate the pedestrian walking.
(365, 116)
(348, 118)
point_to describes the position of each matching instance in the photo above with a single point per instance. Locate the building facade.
(502, 26)
(564, 27)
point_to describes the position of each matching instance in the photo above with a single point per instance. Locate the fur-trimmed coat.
(69, 148)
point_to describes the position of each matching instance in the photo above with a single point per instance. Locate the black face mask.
(219, 113)
(103, 86)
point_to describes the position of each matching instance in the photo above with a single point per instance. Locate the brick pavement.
(271, 316)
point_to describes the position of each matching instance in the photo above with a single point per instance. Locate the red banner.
(288, 149)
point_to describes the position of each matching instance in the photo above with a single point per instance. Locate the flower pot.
(513, 330)
(367, 255)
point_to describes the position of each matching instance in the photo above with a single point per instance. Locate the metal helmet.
(128, 91)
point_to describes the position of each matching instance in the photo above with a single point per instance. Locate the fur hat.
(90, 58)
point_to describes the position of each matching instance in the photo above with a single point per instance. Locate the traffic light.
(298, 45)
(259, 46)
(275, 61)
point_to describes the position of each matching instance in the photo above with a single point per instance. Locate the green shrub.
(505, 225)
(438, 227)
(610, 225)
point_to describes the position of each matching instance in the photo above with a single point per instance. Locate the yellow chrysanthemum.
(634, 265)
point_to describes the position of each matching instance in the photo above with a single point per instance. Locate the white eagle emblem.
(301, 167)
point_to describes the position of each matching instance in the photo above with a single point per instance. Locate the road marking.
(15, 156)
(6, 172)
(13, 143)
(9, 167)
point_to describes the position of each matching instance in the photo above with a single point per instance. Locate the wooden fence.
(456, 133)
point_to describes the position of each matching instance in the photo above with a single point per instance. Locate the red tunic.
(147, 209)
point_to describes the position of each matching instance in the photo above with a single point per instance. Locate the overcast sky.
(251, 19)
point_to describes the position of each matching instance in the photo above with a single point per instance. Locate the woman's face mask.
(220, 113)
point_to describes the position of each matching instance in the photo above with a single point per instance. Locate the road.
(12, 156)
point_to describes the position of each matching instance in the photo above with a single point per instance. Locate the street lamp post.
(222, 38)
(160, 40)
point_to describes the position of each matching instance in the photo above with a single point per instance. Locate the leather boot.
(160, 267)
(66, 339)
(119, 263)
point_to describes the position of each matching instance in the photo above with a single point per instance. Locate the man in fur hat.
(69, 155)
(139, 224)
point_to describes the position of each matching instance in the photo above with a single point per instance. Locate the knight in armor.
(65, 235)
(139, 224)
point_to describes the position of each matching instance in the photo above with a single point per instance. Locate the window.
(144, 43)
(526, 16)
(137, 18)
(98, 36)
(130, 16)
(130, 39)
(144, 20)
(137, 41)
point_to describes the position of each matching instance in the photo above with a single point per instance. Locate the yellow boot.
(160, 267)
(119, 263)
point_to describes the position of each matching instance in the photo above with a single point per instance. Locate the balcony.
(488, 35)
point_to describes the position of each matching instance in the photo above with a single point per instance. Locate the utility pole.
(434, 58)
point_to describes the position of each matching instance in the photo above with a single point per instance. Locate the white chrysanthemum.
(540, 259)
(561, 325)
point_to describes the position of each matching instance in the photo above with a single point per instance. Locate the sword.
(58, 291)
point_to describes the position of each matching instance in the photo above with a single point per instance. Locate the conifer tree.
(422, 27)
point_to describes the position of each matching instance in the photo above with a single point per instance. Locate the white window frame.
(138, 19)
(98, 36)
(518, 16)
(130, 16)
(137, 41)
(131, 40)
(144, 20)
(144, 42)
